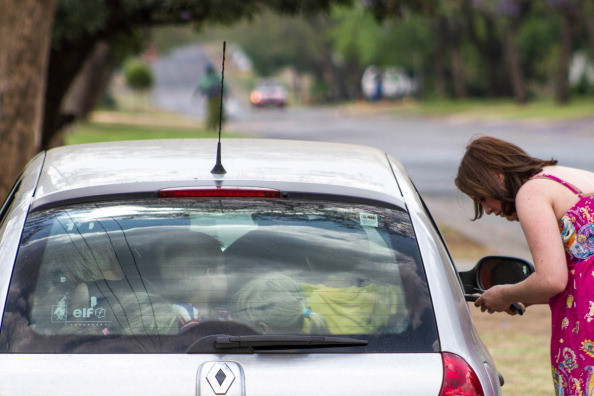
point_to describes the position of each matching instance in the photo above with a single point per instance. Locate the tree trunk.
(487, 40)
(64, 66)
(562, 80)
(440, 34)
(590, 28)
(89, 84)
(457, 60)
(512, 58)
(25, 33)
(84, 93)
(498, 84)
(588, 21)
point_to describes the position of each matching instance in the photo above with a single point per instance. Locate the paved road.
(428, 148)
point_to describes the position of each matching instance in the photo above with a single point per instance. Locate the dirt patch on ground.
(153, 118)
(462, 248)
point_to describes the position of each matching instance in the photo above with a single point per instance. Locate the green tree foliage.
(406, 43)
(385, 9)
(138, 75)
(362, 40)
(74, 19)
(494, 48)
(355, 35)
(274, 42)
(473, 47)
(537, 42)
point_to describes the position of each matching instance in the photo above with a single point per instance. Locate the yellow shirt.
(355, 310)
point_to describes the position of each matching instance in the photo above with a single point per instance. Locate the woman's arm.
(534, 206)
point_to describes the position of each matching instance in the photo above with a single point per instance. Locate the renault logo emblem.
(220, 377)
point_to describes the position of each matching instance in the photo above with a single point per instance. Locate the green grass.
(503, 109)
(120, 125)
(91, 132)
(520, 347)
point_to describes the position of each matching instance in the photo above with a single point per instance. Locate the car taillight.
(255, 97)
(236, 192)
(459, 379)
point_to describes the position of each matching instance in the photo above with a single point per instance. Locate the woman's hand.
(493, 300)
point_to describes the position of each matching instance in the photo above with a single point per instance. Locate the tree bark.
(487, 40)
(562, 80)
(64, 66)
(512, 57)
(25, 33)
(457, 59)
(440, 33)
(84, 94)
(589, 23)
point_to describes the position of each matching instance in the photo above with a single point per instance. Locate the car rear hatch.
(291, 374)
(229, 295)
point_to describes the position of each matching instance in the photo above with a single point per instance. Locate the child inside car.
(192, 270)
(276, 304)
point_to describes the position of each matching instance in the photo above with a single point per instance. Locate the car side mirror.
(494, 270)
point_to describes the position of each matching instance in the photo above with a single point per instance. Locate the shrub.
(138, 75)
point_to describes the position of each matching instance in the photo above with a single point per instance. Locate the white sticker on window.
(368, 219)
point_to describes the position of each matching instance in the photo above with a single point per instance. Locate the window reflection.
(100, 274)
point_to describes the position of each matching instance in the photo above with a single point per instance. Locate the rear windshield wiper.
(269, 342)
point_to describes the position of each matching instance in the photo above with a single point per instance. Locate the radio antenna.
(218, 168)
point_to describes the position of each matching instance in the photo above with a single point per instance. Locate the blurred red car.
(269, 92)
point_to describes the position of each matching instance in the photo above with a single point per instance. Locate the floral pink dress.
(572, 338)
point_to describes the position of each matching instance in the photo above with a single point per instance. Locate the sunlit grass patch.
(520, 347)
(461, 247)
(502, 109)
(106, 126)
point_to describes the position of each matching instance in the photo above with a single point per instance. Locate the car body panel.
(11, 228)
(456, 330)
(179, 162)
(254, 374)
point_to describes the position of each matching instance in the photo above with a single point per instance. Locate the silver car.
(290, 267)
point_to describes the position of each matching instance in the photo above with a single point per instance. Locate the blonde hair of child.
(278, 302)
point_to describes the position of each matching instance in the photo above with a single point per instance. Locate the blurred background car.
(269, 92)
(388, 83)
(138, 266)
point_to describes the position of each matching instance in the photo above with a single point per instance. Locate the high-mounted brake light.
(459, 379)
(235, 192)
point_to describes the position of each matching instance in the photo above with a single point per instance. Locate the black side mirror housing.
(495, 270)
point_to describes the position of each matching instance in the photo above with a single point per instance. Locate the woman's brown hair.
(485, 159)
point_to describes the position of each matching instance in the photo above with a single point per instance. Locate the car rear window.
(157, 275)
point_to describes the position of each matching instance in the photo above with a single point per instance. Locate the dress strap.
(555, 178)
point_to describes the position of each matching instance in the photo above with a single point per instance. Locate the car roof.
(188, 162)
